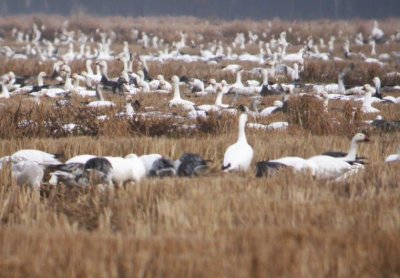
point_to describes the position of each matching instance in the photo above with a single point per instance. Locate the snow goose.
(157, 166)
(177, 101)
(376, 33)
(367, 102)
(40, 157)
(277, 106)
(239, 155)
(189, 165)
(378, 92)
(27, 172)
(69, 174)
(218, 102)
(99, 171)
(80, 91)
(5, 93)
(393, 157)
(125, 169)
(332, 168)
(351, 156)
(100, 102)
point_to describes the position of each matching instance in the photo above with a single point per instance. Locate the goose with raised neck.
(177, 99)
(351, 156)
(239, 155)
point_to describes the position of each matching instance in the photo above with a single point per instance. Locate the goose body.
(27, 173)
(125, 169)
(239, 155)
(40, 157)
(393, 157)
(328, 167)
(189, 165)
(367, 102)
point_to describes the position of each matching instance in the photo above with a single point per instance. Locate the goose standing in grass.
(351, 156)
(393, 157)
(239, 155)
(177, 101)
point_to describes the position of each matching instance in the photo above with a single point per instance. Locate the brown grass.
(218, 225)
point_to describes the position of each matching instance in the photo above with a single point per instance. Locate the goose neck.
(351, 155)
(239, 77)
(242, 132)
(99, 94)
(265, 77)
(40, 80)
(89, 67)
(177, 94)
(218, 101)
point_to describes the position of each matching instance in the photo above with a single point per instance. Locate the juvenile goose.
(239, 155)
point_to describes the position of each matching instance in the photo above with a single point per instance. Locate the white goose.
(177, 101)
(27, 173)
(351, 156)
(5, 93)
(393, 157)
(367, 103)
(239, 155)
(128, 168)
(40, 157)
(218, 102)
(100, 102)
(328, 167)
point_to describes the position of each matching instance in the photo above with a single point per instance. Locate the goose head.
(175, 79)
(360, 137)
(368, 89)
(377, 82)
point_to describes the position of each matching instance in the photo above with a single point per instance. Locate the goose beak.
(366, 139)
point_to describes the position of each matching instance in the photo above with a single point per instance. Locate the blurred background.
(224, 9)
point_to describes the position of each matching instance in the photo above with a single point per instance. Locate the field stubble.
(217, 225)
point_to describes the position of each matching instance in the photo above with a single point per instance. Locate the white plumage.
(239, 155)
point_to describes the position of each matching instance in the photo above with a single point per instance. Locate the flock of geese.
(29, 167)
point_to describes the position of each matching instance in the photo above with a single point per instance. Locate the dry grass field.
(217, 225)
